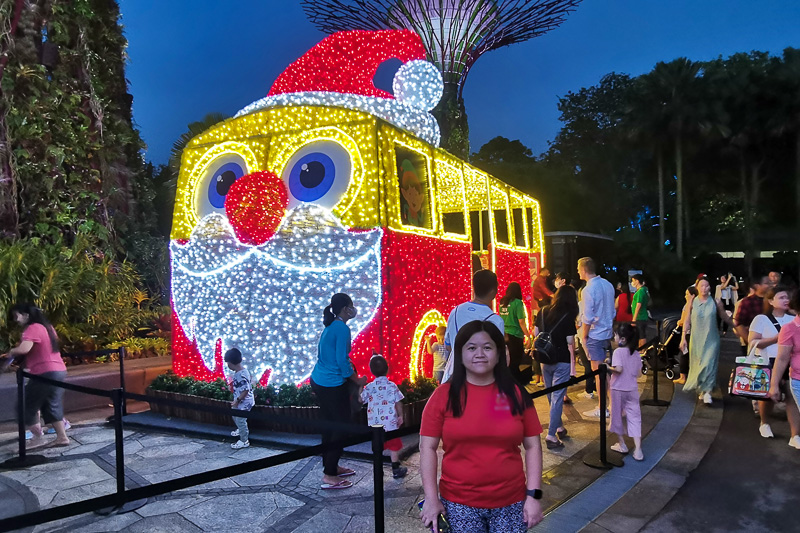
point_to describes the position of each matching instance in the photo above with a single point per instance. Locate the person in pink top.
(626, 366)
(38, 352)
(788, 356)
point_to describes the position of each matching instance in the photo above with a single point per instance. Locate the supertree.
(455, 33)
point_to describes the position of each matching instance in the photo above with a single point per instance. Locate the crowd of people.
(482, 362)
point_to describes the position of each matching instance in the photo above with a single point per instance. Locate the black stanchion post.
(21, 414)
(601, 459)
(24, 459)
(116, 397)
(122, 354)
(655, 401)
(377, 472)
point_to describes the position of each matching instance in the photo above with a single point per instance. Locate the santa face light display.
(331, 185)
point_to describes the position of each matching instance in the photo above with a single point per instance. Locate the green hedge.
(282, 396)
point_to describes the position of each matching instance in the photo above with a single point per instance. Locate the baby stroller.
(661, 352)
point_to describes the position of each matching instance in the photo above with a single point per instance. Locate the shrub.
(415, 391)
(283, 396)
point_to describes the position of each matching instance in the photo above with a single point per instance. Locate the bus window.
(414, 185)
(454, 223)
(450, 198)
(481, 231)
(519, 227)
(521, 235)
(499, 201)
(477, 195)
(532, 217)
(501, 226)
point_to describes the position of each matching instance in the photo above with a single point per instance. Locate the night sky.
(189, 58)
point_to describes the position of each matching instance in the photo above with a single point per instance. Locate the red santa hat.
(338, 72)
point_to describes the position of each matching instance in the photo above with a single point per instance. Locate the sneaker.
(587, 395)
(766, 431)
(794, 442)
(235, 433)
(399, 472)
(28, 435)
(238, 445)
(595, 413)
(707, 398)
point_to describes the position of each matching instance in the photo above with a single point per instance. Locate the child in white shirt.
(385, 408)
(243, 398)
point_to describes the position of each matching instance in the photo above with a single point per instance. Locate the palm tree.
(194, 129)
(645, 120)
(789, 79)
(675, 87)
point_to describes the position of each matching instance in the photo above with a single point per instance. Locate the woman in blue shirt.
(329, 383)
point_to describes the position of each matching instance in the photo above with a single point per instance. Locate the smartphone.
(441, 522)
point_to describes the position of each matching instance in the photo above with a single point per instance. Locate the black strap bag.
(544, 351)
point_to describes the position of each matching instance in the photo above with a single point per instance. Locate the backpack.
(544, 351)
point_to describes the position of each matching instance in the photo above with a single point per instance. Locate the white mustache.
(267, 300)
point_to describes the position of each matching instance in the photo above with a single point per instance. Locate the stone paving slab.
(281, 499)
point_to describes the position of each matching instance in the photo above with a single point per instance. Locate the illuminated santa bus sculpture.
(331, 185)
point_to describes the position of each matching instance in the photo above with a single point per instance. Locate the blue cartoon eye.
(318, 172)
(215, 181)
(312, 176)
(221, 181)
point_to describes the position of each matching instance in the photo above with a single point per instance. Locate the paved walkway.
(284, 498)
(745, 482)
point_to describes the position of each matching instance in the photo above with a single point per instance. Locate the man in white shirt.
(597, 319)
(484, 290)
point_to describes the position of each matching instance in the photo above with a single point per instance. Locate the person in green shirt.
(641, 299)
(512, 311)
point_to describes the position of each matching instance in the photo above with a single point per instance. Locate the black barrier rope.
(377, 436)
(69, 386)
(156, 489)
(121, 351)
(322, 425)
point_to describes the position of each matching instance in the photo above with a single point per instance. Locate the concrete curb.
(585, 507)
(647, 498)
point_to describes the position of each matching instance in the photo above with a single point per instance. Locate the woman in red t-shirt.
(39, 354)
(623, 303)
(482, 416)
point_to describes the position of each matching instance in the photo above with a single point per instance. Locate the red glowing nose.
(255, 206)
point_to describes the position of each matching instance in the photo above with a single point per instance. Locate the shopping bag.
(751, 378)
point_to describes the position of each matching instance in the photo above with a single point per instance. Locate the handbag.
(750, 380)
(544, 351)
(752, 375)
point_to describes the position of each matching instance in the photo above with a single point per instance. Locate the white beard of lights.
(267, 300)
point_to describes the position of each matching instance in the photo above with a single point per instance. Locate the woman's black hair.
(626, 287)
(565, 300)
(503, 380)
(36, 316)
(771, 294)
(628, 331)
(794, 303)
(513, 292)
(338, 302)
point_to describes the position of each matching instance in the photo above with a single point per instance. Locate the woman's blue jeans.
(555, 375)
